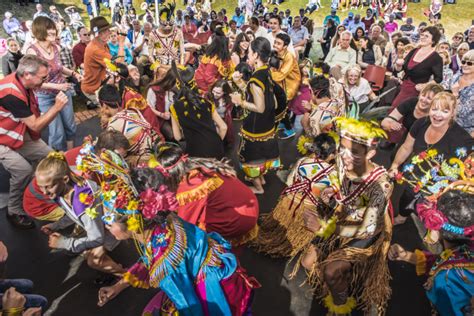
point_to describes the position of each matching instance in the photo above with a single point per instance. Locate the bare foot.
(399, 220)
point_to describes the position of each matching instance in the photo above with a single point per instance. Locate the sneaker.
(91, 105)
(21, 221)
(286, 133)
(280, 127)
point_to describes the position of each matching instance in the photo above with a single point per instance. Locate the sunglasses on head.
(465, 62)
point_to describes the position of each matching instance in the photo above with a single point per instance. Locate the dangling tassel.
(344, 309)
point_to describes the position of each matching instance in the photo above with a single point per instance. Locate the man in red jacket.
(20, 128)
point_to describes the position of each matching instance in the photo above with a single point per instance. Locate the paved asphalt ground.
(68, 283)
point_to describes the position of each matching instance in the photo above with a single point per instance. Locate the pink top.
(55, 70)
(391, 27)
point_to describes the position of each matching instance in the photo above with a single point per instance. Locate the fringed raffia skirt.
(282, 232)
(370, 277)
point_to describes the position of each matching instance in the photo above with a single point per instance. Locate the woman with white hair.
(10, 24)
(463, 89)
(357, 88)
(456, 59)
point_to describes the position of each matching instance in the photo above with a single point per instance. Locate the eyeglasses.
(86, 34)
(465, 62)
(458, 37)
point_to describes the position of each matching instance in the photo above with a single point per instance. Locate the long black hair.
(219, 47)
(262, 47)
(320, 86)
(172, 158)
(458, 207)
(240, 38)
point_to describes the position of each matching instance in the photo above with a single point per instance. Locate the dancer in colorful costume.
(195, 271)
(167, 41)
(130, 122)
(210, 195)
(259, 151)
(282, 232)
(346, 262)
(450, 216)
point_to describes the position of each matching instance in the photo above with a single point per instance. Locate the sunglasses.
(465, 62)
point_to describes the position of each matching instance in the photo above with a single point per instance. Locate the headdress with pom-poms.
(167, 11)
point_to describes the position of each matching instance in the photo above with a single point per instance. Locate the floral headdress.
(439, 175)
(117, 192)
(362, 132)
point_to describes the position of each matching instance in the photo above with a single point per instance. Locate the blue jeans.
(63, 127)
(24, 287)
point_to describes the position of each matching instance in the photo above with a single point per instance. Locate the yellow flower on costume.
(83, 197)
(107, 196)
(132, 205)
(133, 224)
(446, 254)
(91, 212)
(327, 228)
(416, 160)
(301, 142)
(153, 163)
(431, 153)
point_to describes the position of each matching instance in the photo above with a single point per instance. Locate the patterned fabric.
(465, 114)
(193, 270)
(55, 69)
(167, 47)
(65, 55)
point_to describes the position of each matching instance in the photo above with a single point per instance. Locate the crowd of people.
(180, 93)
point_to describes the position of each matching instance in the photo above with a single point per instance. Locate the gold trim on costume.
(199, 192)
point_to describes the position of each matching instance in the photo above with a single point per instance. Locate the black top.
(10, 62)
(368, 56)
(454, 138)
(198, 128)
(406, 109)
(422, 72)
(329, 34)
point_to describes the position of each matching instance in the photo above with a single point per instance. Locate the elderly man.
(256, 28)
(142, 50)
(20, 130)
(10, 24)
(135, 33)
(377, 37)
(342, 56)
(79, 49)
(470, 37)
(299, 35)
(355, 24)
(40, 12)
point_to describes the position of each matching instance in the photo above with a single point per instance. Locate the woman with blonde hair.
(76, 197)
(357, 88)
(437, 132)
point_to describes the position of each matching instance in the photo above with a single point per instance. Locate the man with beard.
(167, 42)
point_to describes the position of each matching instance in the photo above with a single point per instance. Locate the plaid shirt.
(65, 55)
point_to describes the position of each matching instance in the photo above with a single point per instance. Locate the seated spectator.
(11, 60)
(356, 24)
(312, 5)
(357, 88)
(54, 14)
(369, 19)
(80, 48)
(410, 110)
(65, 34)
(142, 51)
(443, 46)
(396, 53)
(456, 40)
(377, 37)
(408, 28)
(470, 37)
(189, 28)
(391, 26)
(328, 33)
(10, 24)
(447, 71)
(233, 30)
(28, 36)
(358, 34)
(238, 17)
(348, 20)
(40, 11)
(369, 54)
(342, 56)
(299, 35)
(333, 16)
(415, 36)
(135, 33)
(463, 89)
(256, 28)
(114, 47)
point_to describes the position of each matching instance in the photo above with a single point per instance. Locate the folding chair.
(376, 76)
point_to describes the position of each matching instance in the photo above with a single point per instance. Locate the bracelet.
(392, 118)
(13, 311)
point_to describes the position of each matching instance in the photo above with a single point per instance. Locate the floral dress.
(465, 113)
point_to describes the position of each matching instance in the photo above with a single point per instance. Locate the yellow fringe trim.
(134, 281)
(420, 262)
(225, 69)
(339, 309)
(246, 238)
(200, 192)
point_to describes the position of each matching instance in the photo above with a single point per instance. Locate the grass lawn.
(454, 17)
